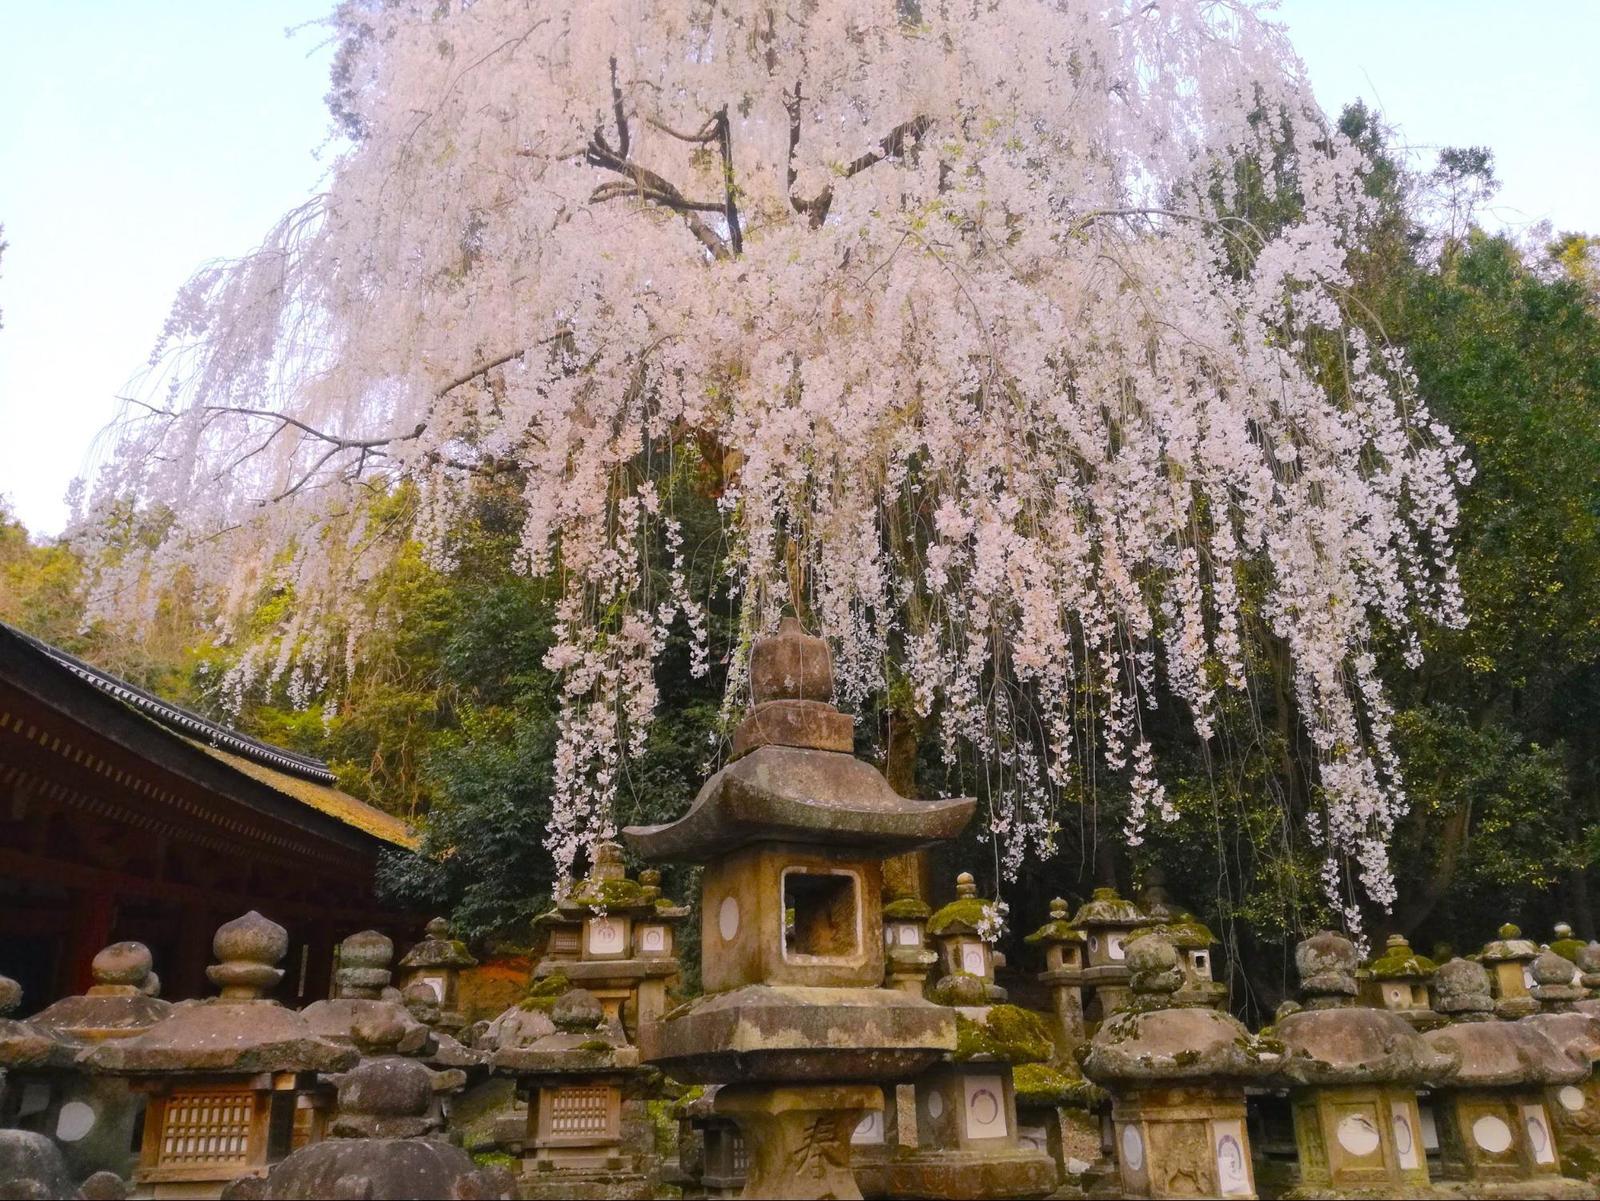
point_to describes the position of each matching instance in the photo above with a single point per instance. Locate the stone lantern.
(1353, 1075)
(1509, 959)
(22, 1046)
(1398, 980)
(1195, 943)
(905, 944)
(1063, 945)
(614, 937)
(1575, 1108)
(361, 992)
(1494, 1131)
(1564, 944)
(438, 961)
(384, 1135)
(795, 1022)
(1108, 922)
(223, 1075)
(1176, 1072)
(94, 1119)
(1588, 962)
(580, 1076)
(961, 938)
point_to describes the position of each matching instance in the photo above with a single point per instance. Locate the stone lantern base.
(1183, 1141)
(798, 1136)
(1501, 1143)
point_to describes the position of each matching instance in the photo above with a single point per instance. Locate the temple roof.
(176, 733)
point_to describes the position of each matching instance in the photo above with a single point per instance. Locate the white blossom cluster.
(952, 289)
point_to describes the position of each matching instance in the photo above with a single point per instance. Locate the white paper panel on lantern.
(1233, 1172)
(436, 983)
(605, 936)
(1405, 1138)
(1492, 1134)
(1358, 1135)
(1537, 1124)
(1132, 1144)
(1114, 946)
(972, 958)
(908, 936)
(653, 938)
(986, 1106)
(1430, 1128)
(869, 1130)
(1571, 1098)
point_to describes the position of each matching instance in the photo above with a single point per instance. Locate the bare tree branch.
(891, 145)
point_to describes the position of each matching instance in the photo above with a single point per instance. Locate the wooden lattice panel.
(206, 1128)
(583, 1112)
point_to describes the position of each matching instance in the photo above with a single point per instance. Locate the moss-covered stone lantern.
(1494, 1131)
(1063, 945)
(437, 962)
(614, 937)
(908, 959)
(1509, 958)
(581, 1077)
(962, 932)
(94, 1119)
(964, 1138)
(1195, 943)
(1399, 981)
(225, 1075)
(795, 1021)
(1564, 943)
(1353, 1075)
(1108, 922)
(1176, 1072)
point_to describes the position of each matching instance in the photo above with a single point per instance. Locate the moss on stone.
(496, 1159)
(1107, 908)
(1398, 966)
(1058, 931)
(610, 894)
(543, 994)
(1186, 932)
(903, 909)
(964, 911)
(1010, 1034)
(1568, 948)
(1047, 1084)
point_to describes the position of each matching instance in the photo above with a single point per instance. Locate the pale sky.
(140, 139)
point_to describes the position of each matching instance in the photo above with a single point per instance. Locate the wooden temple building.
(123, 816)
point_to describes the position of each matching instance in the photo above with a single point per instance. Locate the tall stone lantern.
(1108, 922)
(958, 933)
(1353, 1075)
(1494, 1129)
(1509, 958)
(1176, 1070)
(224, 1075)
(614, 937)
(795, 1022)
(1063, 945)
(437, 962)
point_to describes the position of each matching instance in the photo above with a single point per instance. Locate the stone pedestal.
(798, 1135)
(1182, 1142)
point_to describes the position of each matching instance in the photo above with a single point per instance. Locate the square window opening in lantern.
(823, 915)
